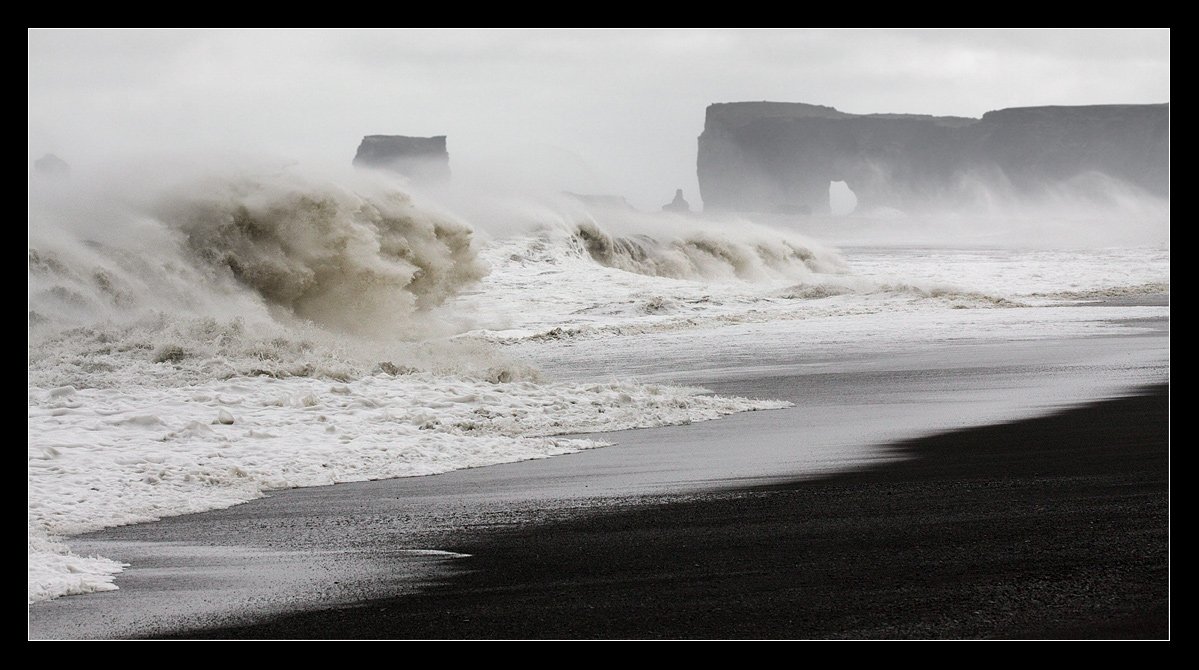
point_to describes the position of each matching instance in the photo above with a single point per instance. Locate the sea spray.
(201, 342)
(363, 261)
(608, 232)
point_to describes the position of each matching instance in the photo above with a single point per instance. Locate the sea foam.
(197, 345)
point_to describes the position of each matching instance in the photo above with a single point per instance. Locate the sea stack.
(679, 204)
(421, 159)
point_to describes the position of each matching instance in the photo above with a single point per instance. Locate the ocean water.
(196, 344)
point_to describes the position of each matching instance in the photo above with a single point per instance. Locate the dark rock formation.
(780, 157)
(423, 159)
(679, 204)
(52, 166)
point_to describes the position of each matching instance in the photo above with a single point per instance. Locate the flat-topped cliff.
(423, 159)
(780, 157)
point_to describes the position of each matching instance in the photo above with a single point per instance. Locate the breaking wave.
(192, 345)
(703, 254)
(676, 246)
(365, 261)
(347, 261)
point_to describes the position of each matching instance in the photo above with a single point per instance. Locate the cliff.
(780, 157)
(422, 159)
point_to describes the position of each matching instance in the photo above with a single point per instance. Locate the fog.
(595, 111)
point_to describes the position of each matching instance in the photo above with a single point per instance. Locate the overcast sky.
(615, 111)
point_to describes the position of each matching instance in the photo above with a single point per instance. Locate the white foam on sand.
(134, 453)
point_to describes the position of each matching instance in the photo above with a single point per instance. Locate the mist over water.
(1091, 210)
(292, 270)
(352, 252)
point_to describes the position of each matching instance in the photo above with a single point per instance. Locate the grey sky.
(614, 111)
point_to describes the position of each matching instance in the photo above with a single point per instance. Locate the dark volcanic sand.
(1053, 527)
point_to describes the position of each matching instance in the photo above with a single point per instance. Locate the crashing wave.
(363, 261)
(676, 246)
(704, 254)
(194, 346)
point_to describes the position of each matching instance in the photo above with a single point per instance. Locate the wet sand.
(322, 550)
(1053, 527)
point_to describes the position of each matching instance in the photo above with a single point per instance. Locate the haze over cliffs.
(781, 157)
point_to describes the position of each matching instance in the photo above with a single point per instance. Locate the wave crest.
(348, 261)
(701, 254)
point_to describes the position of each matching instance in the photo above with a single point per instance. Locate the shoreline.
(1051, 527)
(312, 549)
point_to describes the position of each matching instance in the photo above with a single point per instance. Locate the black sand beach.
(1054, 527)
(448, 361)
